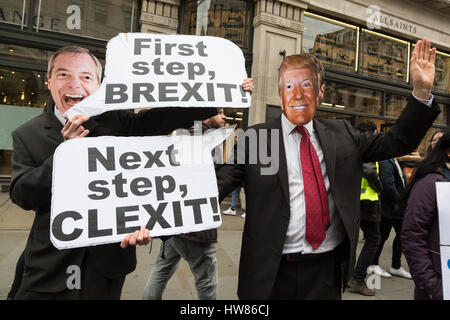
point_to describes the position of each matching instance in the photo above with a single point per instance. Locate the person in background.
(434, 139)
(370, 219)
(197, 248)
(393, 180)
(420, 231)
(231, 211)
(408, 163)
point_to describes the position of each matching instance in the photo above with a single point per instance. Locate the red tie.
(316, 198)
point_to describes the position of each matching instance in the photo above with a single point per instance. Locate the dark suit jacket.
(393, 188)
(267, 196)
(34, 145)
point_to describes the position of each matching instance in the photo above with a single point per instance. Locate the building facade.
(365, 47)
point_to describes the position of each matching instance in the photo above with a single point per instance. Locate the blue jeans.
(234, 197)
(202, 262)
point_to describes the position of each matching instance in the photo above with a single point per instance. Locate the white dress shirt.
(59, 116)
(295, 237)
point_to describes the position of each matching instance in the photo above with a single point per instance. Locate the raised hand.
(248, 85)
(422, 69)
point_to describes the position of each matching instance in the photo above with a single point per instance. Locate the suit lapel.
(327, 142)
(53, 126)
(282, 169)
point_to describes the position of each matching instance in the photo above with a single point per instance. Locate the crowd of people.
(301, 224)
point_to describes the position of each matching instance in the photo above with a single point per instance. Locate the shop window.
(333, 115)
(14, 52)
(91, 18)
(384, 57)
(13, 11)
(442, 77)
(229, 19)
(23, 94)
(333, 42)
(340, 96)
(443, 116)
(101, 13)
(395, 104)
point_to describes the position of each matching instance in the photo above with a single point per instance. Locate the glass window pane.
(346, 97)
(92, 18)
(442, 118)
(395, 105)
(12, 11)
(333, 44)
(442, 77)
(14, 52)
(23, 94)
(228, 19)
(383, 58)
(23, 87)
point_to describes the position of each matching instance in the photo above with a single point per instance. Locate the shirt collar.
(289, 126)
(59, 116)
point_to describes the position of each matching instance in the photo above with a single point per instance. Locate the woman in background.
(420, 231)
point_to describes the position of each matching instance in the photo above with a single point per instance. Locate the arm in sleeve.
(231, 175)
(31, 184)
(419, 217)
(162, 121)
(369, 171)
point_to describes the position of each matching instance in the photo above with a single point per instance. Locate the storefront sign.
(107, 187)
(376, 20)
(153, 70)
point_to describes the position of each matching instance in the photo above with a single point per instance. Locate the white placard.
(106, 187)
(161, 70)
(445, 263)
(443, 204)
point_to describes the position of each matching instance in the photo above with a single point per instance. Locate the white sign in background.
(157, 70)
(106, 187)
(443, 196)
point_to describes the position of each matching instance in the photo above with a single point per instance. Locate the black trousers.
(371, 231)
(312, 277)
(93, 286)
(386, 226)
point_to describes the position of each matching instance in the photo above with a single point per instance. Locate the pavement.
(15, 224)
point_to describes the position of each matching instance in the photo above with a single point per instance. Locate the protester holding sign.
(197, 248)
(420, 230)
(84, 273)
(302, 224)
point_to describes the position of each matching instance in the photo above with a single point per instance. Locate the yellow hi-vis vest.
(367, 193)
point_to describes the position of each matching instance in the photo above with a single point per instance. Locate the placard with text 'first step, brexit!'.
(161, 70)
